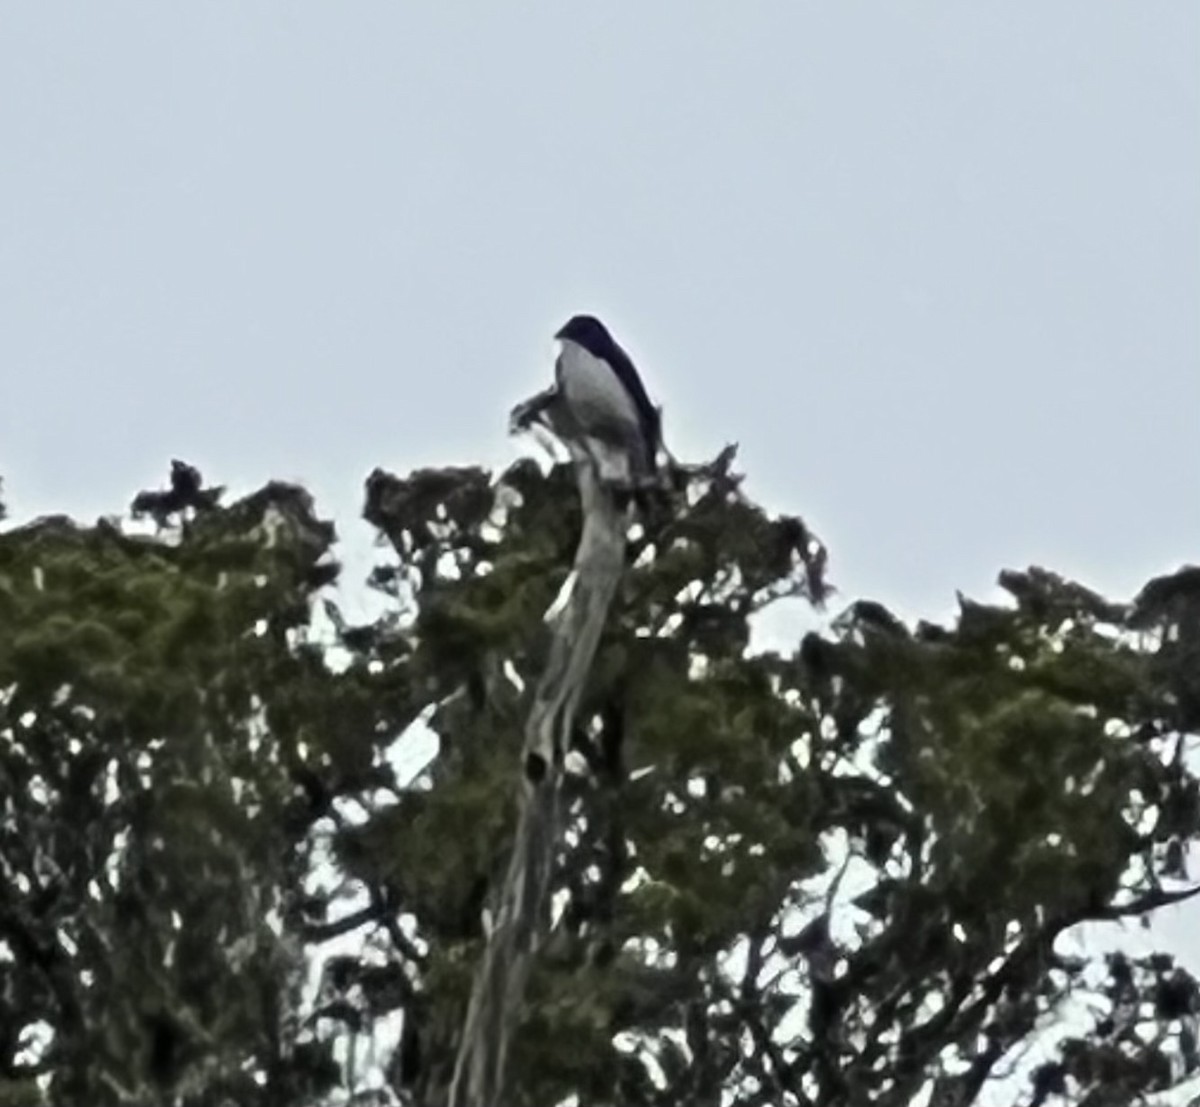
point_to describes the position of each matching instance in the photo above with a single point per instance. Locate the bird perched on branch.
(605, 396)
(599, 401)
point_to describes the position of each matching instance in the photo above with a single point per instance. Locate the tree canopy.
(837, 875)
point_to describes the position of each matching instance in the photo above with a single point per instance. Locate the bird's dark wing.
(623, 366)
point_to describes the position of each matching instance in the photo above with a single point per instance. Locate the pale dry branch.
(494, 1011)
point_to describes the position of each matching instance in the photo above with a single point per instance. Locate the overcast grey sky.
(935, 265)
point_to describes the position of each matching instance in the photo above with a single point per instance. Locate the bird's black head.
(588, 332)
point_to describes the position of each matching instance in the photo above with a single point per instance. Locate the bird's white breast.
(592, 390)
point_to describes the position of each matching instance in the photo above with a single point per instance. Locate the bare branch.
(499, 990)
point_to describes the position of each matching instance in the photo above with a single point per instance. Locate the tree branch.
(499, 989)
(1151, 901)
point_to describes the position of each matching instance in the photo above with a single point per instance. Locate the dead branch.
(494, 1012)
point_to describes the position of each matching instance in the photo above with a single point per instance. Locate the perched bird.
(605, 401)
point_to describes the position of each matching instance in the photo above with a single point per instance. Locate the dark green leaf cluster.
(827, 876)
(148, 697)
(992, 785)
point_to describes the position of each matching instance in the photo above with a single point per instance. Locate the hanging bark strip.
(521, 919)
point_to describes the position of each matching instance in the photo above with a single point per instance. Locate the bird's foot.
(531, 411)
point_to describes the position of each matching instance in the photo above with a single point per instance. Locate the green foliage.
(149, 866)
(827, 876)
